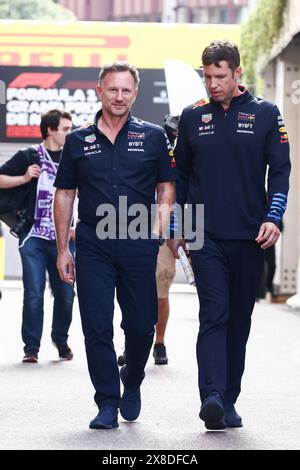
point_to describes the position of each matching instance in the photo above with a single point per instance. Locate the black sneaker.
(160, 354)
(31, 356)
(122, 359)
(64, 352)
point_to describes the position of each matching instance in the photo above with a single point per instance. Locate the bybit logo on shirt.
(245, 128)
(135, 141)
(136, 146)
(247, 124)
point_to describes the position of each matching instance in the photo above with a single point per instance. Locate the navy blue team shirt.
(222, 157)
(140, 158)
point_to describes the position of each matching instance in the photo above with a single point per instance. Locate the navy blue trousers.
(127, 266)
(227, 276)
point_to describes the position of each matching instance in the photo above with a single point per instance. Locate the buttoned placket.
(115, 161)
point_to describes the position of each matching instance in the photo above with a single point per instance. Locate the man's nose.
(120, 95)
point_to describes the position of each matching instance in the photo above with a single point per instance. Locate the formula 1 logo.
(42, 80)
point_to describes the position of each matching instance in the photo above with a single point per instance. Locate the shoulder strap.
(32, 156)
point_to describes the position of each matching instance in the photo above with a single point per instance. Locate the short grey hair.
(119, 66)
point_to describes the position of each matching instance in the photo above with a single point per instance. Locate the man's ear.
(237, 73)
(99, 92)
(135, 95)
(50, 131)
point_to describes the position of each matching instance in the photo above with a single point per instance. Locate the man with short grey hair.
(119, 67)
(118, 156)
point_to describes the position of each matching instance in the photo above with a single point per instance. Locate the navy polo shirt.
(222, 158)
(140, 158)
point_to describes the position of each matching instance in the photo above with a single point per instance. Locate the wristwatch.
(161, 241)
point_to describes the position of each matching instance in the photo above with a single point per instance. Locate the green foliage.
(34, 10)
(258, 36)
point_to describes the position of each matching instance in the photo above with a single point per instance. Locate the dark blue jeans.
(39, 256)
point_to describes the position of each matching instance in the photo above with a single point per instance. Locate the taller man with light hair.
(225, 145)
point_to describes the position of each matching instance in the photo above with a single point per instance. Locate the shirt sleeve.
(66, 173)
(183, 162)
(278, 159)
(166, 160)
(16, 166)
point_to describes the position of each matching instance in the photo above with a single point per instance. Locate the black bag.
(15, 202)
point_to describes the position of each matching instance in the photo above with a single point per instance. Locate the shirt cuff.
(274, 221)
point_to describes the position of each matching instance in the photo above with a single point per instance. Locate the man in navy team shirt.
(119, 155)
(225, 144)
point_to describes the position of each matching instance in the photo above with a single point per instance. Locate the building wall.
(282, 78)
(211, 11)
(89, 9)
(138, 10)
(290, 29)
(196, 11)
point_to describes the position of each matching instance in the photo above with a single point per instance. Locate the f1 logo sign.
(42, 80)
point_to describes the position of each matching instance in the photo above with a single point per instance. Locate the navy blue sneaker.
(31, 356)
(212, 412)
(215, 425)
(232, 418)
(107, 418)
(130, 405)
(64, 352)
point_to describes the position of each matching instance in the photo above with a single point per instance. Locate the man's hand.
(174, 244)
(268, 235)
(33, 171)
(65, 266)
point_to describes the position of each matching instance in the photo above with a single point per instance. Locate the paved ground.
(49, 405)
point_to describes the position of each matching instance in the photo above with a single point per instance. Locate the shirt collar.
(99, 114)
(243, 97)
